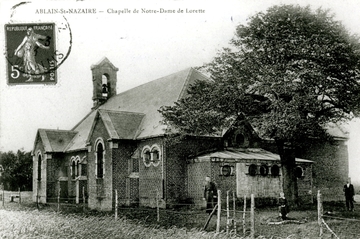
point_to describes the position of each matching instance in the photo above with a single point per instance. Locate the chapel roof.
(55, 140)
(133, 114)
(242, 155)
(121, 124)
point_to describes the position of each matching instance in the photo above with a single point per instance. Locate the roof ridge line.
(61, 130)
(107, 127)
(82, 120)
(47, 139)
(121, 111)
(152, 81)
(191, 70)
(139, 130)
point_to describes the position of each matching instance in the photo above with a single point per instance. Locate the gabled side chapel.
(121, 145)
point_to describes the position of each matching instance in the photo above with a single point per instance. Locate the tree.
(17, 170)
(289, 70)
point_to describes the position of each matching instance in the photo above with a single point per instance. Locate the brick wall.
(100, 190)
(330, 169)
(196, 180)
(51, 168)
(39, 187)
(265, 187)
(305, 184)
(179, 182)
(64, 173)
(261, 186)
(122, 153)
(151, 177)
(224, 183)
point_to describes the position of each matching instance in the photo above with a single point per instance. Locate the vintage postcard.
(85, 87)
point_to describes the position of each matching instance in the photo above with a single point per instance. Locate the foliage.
(17, 170)
(306, 64)
(290, 71)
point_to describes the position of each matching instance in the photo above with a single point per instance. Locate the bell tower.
(104, 81)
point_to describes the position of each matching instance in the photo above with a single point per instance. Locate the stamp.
(32, 53)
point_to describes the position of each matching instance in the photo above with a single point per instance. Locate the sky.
(144, 46)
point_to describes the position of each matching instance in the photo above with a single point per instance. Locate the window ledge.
(63, 179)
(134, 175)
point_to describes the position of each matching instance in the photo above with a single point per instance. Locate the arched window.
(39, 167)
(155, 155)
(252, 170)
(226, 170)
(73, 169)
(146, 155)
(100, 160)
(83, 167)
(151, 156)
(104, 85)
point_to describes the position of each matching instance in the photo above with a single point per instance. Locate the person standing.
(210, 194)
(349, 195)
(283, 206)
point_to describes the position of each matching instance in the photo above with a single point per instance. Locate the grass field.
(26, 221)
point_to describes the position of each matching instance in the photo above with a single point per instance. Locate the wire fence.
(322, 223)
(238, 218)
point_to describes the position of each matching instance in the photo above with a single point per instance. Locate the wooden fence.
(231, 214)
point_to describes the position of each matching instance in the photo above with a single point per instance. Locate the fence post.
(252, 217)
(320, 212)
(58, 199)
(218, 212)
(227, 212)
(157, 205)
(244, 215)
(3, 196)
(37, 195)
(234, 204)
(116, 204)
(83, 193)
(19, 196)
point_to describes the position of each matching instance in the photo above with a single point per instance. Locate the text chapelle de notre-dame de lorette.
(114, 11)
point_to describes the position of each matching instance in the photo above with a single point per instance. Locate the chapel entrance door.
(64, 194)
(134, 182)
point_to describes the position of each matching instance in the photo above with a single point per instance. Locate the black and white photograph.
(180, 119)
